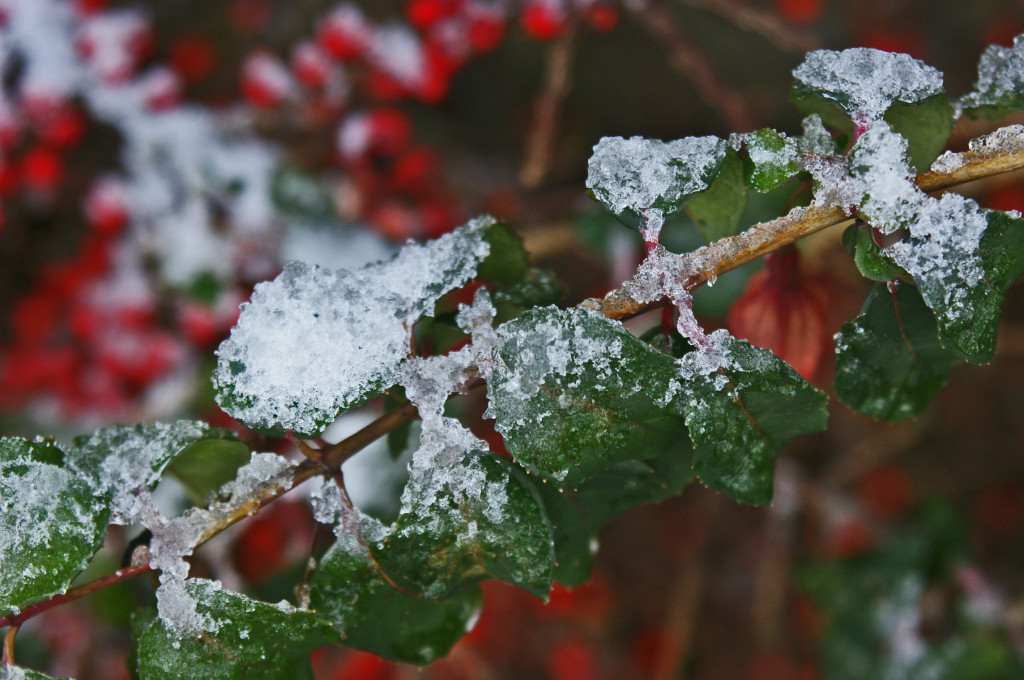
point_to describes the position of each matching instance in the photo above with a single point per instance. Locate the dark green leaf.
(717, 210)
(645, 181)
(481, 519)
(871, 260)
(315, 342)
(774, 158)
(742, 412)
(208, 464)
(926, 125)
(242, 638)
(348, 589)
(398, 438)
(538, 287)
(52, 521)
(889, 363)
(815, 105)
(300, 194)
(573, 393)
(507, 262)
(963, 259)
(999, 89)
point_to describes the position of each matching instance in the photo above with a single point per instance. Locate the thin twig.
(763, 22)
(706, 264)
(337, 454)
(8, 656)
(558, 71)
(690, 61)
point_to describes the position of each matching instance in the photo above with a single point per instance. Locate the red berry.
(310, 65)
(389, 131)
(192, 56)
(64, 129)
(87, 7)
(161, 89)
(486, 30)
(543, 19)
(199, 324)
(425, 13)
(105, 207)
(266, 82)
(800, 11)
(345, 33)
(602, 16)
(414, 169)
(8, 178)
(41, 170)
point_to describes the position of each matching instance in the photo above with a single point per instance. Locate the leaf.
(315, 342)
(717, 210)
(208, 464)
(644, 181)
(926, 125)
(242, 638)
(999, 89)
(742, 404)
(18, 673)
(963, 258)
(573, 393)
(889, 363)
(870, 258)
(507, 262)
(457, 526)
(348, 589)
(862, 82)
(774, 159)
(398, 438)
(539, 286)
(123, 459)
(52, 521)
(301, 195)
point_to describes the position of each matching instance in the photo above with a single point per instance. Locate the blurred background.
(158, 158)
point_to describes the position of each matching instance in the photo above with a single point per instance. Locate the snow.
(397, 51)
(644, 176)
(865, 82)
(1000, 75)
(313, 341)
(883, 176)
(947, 162)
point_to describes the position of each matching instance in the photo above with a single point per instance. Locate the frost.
(1009, 139)
(1000, 77)
(313, 342)
(864, 82)
(815, 139)
(650, 179)
(832, 184)
(947, 162)
(884, 178)
(326, 502)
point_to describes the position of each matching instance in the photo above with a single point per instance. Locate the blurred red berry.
(800, 11)
(345, 33)
(425, 13)
(486, 30)
(543, 19)
(65, 129)
(601, 16)
(781, 310)
(105, 206)
(310, 65)
(572, 660)
(266, 82)
(41, 170)
(161, 89)
(389, 131)
(192, 56)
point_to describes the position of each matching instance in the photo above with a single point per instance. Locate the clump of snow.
(948, 161)
(884, 178)
(864, 82)
(832, 183)
(815, 138)
(1009, 139)
(314, 341)
(1000, 76)
(650, 177)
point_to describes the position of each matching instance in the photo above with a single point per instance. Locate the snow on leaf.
(374, 616)
(882, 177)
(573, 393)
(239, 637)
(52, 521)
(741, 405)
(774, 158)
(18, 673)
(717, 210)
(644, 181)
(314, 342)
(865, 82)
(1000, 86)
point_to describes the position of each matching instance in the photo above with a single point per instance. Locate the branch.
(687, 59)
(542, 136)
(1002, 151)
(765, 23)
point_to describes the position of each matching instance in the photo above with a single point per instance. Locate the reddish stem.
(15, 620)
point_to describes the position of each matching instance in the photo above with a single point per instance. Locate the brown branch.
(8, 655)
(763, 22)
(707, 263)
(337, 454)
(558, 71)
(690, 61)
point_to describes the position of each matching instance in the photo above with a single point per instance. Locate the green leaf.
(300, 194)
(889, 363)
(963, 258)
(457, 526)
(208, 464)
(717, 210)
(999, 89)
(645, 181)
(242, 638)
(398, 438)
(774, 159)
(573, 393)
(863, 83)
(742, 404)
(507, 262)
(315, 342)
(374, 616)
(926, 125)
(52, 521)
(870, 258)
(539, 286)
(125, 458)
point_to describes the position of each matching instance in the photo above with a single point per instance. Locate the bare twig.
(760, 21)
(705, 264)
(8, 655)
(690, 61)
(337, 454)
(558, 71)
